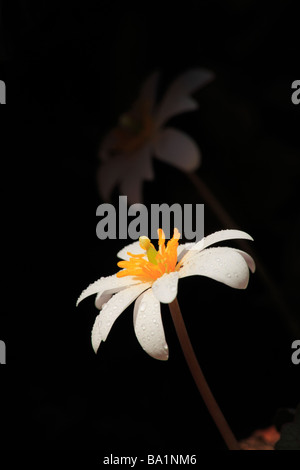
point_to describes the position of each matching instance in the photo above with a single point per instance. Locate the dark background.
(70, 71)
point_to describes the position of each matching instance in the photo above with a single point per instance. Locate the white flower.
(151, 277)
(126, 152)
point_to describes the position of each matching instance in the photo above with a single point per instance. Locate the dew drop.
(228, 275)
(143, 307)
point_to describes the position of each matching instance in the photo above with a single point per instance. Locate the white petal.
(133, 248)
(176, 99)
(222, 235)
(109, 285)
(115, 285)
(177, 149)
(148, 326)
(183, 249)
(103, 297)
(249, 260)
(223, 264)
(165, 287)
(216, 237)
(112, 310)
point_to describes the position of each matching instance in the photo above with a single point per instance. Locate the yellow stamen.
(144, 242)
(152, 264)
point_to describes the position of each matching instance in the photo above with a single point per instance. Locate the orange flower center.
(152, 264)
(133, 130)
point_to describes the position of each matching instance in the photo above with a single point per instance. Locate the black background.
(70, 71)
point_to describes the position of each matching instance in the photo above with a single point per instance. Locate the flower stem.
(199, 378)
(227, 222)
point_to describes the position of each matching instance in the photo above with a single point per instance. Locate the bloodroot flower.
(150, 277)
(126, 152)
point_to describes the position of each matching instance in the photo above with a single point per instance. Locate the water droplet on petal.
(228, 275)
(142, 307)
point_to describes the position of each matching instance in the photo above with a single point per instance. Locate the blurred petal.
(177, 149)
(133, 248)
(148, 90)
(138, 168)
(165, 287)
(148, 326)
(109, 175)
(168, 109)
(132, 187)
(222, 264)
(108, 142)
(108, 285)
(176, 99)
(112, 310)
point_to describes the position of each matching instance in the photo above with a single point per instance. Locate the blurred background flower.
(126, 152)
